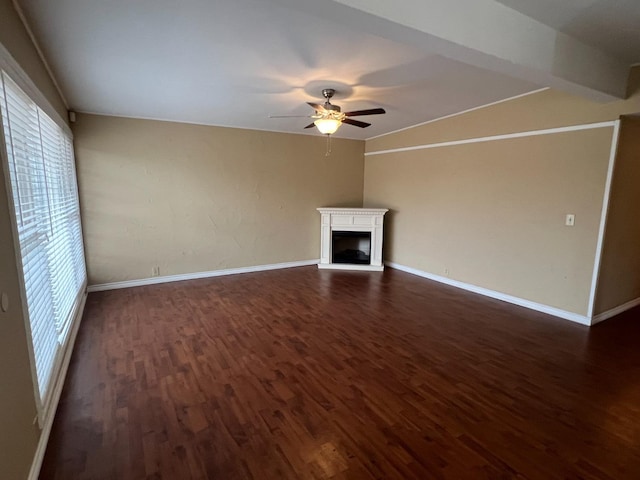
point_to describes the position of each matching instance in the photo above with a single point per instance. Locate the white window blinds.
(43, 187)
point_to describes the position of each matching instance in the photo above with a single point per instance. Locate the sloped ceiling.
(611, 25)
(234, 63)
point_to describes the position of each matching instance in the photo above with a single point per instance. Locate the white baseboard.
(556, 312)
(36, 464)
(615, 311)
(193, 276)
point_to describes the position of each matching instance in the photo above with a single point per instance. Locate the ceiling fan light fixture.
(327, 126)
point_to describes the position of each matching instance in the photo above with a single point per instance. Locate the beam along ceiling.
(233, 63)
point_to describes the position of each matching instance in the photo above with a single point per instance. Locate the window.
(44, 192)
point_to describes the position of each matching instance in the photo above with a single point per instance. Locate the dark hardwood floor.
(308, 374)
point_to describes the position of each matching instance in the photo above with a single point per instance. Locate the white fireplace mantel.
(351, 220)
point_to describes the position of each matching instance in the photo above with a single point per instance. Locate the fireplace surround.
(351, 238)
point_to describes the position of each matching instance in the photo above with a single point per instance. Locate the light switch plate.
(570, 220)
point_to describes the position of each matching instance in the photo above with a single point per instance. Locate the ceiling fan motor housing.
(328, 93)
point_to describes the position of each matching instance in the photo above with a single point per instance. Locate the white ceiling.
(612, 25)
(234, 63)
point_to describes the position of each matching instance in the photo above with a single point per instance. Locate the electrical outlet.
(155, 271)
(570, 220)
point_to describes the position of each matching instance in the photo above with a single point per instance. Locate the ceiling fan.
(329, 117)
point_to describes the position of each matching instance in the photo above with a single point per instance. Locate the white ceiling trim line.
(506, 136)
(36, 45)
(153, 119)
(462, 112)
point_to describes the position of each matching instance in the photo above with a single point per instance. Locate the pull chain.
(328, 146)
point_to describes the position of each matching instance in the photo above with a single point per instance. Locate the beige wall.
(18, 435)
(619, 280)
(192, 198)
(492, 214)
(546, 109)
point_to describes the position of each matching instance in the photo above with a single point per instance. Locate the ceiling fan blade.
(311, 125)
(371, 111)
(356, 123)
(318, 108)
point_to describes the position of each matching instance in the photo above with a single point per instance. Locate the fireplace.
(351, 247)
(351, 238)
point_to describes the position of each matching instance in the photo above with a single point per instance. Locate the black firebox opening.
(351, 247)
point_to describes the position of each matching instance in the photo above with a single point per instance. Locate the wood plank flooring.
(308, 374)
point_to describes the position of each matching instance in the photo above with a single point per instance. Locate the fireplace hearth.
(351, 238)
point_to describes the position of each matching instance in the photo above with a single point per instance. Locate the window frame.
(47, 403)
